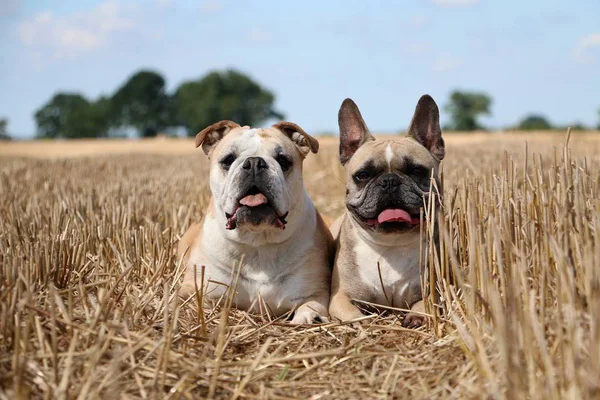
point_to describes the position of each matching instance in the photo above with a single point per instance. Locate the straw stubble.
(88, 276)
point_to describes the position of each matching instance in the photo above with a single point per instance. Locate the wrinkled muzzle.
(254, 196)
(390, 202)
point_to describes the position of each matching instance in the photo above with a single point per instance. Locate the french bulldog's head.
(256, 174)
(388, 180)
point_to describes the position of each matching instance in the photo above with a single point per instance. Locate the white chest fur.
(394, 269)
(269, 275)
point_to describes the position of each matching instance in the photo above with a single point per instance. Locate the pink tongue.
(396, 215)
(253, 200)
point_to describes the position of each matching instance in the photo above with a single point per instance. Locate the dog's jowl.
(260, 218)
(378, 240)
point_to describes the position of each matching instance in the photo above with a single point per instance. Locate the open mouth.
(393, 219)
(255, 208)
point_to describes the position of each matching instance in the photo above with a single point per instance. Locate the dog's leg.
(192, 280)
(342, 308)
(186, 289)
(417, 318)
(310, 311)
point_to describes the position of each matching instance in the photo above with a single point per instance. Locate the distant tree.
(142, 102)
(93, 120)
(464, 109)
(3, 131)
(223, 95)
(598, 126)
(534, 122)
(70, 115)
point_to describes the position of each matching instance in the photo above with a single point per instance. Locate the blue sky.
(539, 56)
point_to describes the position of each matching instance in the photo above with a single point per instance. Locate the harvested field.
(88, 232)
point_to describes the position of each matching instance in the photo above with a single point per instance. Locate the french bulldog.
(377, 239)
(260, 216)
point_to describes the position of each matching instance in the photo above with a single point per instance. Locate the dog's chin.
(395, 227)
(257, 218)
(255, 211)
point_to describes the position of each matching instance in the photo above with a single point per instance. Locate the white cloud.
(210, 6)
(70, 35)
(583, 48)
(455, 3)
(443, 64)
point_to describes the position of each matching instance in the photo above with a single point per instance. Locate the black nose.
(255, 163)
(389, 181)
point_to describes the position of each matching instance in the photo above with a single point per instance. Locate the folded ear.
(303, 140)
(353, 130)
(425, 127)
(209, 136)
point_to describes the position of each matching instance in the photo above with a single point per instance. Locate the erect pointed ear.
(353, 130)
(209, 136)
(425, 127)
(303, 140)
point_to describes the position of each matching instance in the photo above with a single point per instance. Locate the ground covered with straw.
(88, 275)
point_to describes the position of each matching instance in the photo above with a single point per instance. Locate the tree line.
(142, 103)
(465, 109)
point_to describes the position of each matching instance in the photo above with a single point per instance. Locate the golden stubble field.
(88, 232)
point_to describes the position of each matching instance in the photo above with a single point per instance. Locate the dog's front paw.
(186, 290)
(416, 317)
(305, 315)
(351, 315)
(413, 320)
(342, 309)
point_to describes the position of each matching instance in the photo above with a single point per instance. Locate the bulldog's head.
(388, 180)
(256, 174)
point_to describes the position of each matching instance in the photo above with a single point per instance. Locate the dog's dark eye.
(284, 162)
(361, 175)
(418, 171)
(227, 161)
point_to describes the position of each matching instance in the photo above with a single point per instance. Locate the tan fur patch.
(189, 239)
(327, 220)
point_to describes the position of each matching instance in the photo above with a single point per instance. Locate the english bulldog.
(260, 216)
(378, 241)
